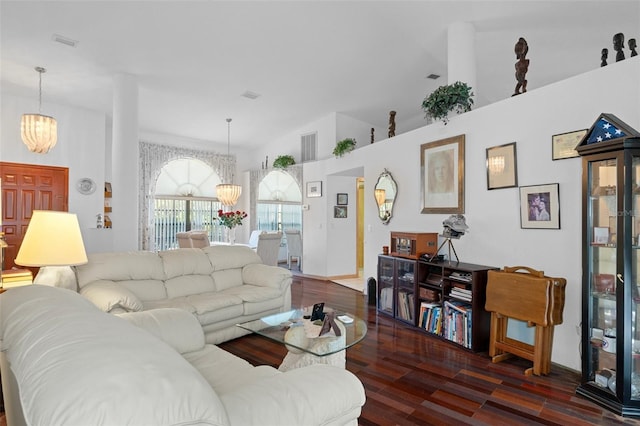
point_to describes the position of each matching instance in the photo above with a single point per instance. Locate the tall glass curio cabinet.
(610, 250)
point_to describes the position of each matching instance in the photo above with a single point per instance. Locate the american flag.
(604, 131)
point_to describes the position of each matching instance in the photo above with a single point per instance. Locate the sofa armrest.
(314, 395)
(266, 276)
(108, 296)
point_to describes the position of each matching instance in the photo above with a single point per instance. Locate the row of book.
(430, 317)
(457, 322)
(405, 305)
(461, 293)
(386, 299)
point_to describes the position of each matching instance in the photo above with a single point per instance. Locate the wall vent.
(308, 147)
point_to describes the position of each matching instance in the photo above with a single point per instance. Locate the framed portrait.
(340, 212)
(564, 145)
(342, 199)
(314, 189)
(540, 206)
(442, 174)
(502, 170)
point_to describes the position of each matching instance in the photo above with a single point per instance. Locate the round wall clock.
(86, 186)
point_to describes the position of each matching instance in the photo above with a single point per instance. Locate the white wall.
(81, 134)
(495, 236)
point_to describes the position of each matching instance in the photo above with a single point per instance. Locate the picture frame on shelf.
(340, 212)
(564, 145)
(314, 189)
(600, 235)
(342, 199)
(502, 168)
(540, 206)
(442, 175)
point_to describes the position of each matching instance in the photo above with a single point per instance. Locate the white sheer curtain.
(152, 158)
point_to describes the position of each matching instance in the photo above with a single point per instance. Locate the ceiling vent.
(64, 40)
(250, 95)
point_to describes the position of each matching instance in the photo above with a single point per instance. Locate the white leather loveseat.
(64, 362)
(221, 285)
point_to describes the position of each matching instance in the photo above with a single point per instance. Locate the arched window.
(185, 200)
(279, 202)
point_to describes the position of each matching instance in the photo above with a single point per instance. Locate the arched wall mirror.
(385, 195)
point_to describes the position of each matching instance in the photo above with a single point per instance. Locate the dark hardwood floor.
(414, 379)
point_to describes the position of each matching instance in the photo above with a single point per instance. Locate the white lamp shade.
(39, 132)
(52, 239)
(228, 194)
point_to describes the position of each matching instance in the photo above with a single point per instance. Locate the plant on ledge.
(284, 161)
(451, 97)
(231, 219)
(344, 146)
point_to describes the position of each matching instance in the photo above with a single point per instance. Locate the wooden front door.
(25, 188)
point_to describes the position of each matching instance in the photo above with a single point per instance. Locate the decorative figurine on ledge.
(392, 124)
(632, 47)
(522, 66)
(603, 58)
(618, 45)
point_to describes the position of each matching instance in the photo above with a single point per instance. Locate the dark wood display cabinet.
(446, 299)
(611, 223)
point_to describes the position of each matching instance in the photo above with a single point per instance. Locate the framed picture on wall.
(442, 173)
(314, 189)
(564, 145)
(502, 170)
(342, 199)
(540, 206)
(340, 212)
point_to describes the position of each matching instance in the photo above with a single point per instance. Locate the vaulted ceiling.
(305, 59)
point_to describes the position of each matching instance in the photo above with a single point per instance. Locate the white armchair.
(294, 247)
(253, 239)
(268, 247)
(199, 239)
(183, 240)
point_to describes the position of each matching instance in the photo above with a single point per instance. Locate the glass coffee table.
(301, 337)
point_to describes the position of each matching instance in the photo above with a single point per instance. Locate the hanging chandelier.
(228, 193)
(39, 132)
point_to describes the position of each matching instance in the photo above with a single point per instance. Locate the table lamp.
(53, 239)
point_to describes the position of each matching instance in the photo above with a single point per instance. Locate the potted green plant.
(284, 161)
(447, 98)
(344, 146)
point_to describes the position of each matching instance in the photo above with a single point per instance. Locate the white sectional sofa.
(64, 362)
(220, 285)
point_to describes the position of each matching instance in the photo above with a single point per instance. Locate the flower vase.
(231, 236)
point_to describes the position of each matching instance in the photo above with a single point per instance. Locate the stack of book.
(15, 278)
(405, 305)
(459, 291)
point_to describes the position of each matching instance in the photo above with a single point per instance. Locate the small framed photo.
(342, 199)
(340, 212)
(314, 189)
(502, 170)
(540, 206)
(564, 145)
(600, 235)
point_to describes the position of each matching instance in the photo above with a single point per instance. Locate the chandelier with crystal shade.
(39, 132)
(228, 193)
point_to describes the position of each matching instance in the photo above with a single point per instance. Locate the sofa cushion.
(146, 289)
(189, 284)
(176, 302)
(76, 365)
(256, 299)
(134, 265)
(214, 301)
(230, 257)
(176, 327)
(185, 261)
(107, 296)
(227, 278)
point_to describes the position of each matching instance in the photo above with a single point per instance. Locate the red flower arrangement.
(231, 219)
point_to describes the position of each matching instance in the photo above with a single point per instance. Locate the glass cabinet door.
(602, 233)
(385, 284)
(405, 297)
(631, 274)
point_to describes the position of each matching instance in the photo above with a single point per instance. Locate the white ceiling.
(194, 59)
